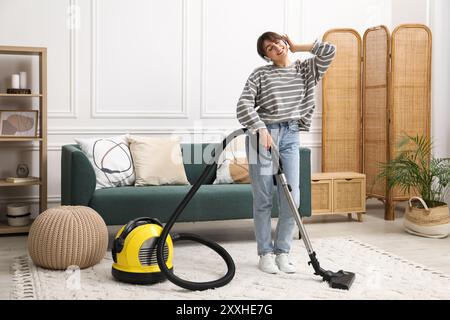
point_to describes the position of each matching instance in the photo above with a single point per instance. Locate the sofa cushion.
(226, 201)
(211, 202)
(157, 160)
(110, 159)
(233, 171)
(233, 164)
(119, 205)
(195, 158)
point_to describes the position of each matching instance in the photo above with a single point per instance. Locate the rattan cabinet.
(376, 90)
(338, 193)
(322, 194)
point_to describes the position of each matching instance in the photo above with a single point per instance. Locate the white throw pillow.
(111, 159)
(157, 161)
(233, 171)
(232, 166)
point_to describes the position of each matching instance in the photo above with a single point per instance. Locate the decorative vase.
(18, 214)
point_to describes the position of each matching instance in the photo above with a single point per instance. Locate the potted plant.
(414, 170)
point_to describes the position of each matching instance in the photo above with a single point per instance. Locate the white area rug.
(379, 275)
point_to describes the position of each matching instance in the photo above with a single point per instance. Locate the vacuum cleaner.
(134, 252)
(143, 248)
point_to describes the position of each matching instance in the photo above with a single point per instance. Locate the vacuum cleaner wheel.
(139, 278)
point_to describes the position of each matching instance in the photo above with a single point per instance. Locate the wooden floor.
(388, 235)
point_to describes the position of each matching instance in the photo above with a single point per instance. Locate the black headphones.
(120, 240)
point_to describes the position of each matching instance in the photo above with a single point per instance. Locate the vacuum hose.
(192, 237)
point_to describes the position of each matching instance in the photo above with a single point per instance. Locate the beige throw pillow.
(157, 161)
(239, 171)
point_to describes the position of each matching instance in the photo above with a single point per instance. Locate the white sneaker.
(284, 264)
(267, 263)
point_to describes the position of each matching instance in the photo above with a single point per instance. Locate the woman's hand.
(265, 139)
(292, 45)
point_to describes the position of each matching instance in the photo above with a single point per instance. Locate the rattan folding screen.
(374, 93)
(341, 112)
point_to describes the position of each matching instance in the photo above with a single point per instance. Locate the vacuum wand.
(339, 280)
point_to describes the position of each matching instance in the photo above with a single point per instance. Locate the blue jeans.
(262, 167)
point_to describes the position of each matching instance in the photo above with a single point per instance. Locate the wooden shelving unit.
(11, 95)
(41, 139)
(4, 183)
(11, 139)
(6, 229)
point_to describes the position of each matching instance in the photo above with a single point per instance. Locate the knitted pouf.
(66, 236)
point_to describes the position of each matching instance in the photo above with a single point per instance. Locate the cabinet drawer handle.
(315, 180)
(348, 179)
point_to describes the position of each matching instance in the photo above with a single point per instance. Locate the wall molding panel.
(99, 112)
(204, 112)
(72, 112)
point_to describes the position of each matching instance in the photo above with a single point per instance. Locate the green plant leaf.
(413, 168)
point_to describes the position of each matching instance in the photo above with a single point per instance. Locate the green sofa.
(211, 202)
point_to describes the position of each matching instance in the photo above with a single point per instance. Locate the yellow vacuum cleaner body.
(134, 252)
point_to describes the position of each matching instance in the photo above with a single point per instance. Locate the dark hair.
(269, 35)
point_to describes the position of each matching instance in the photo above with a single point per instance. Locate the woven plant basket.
(427, 222)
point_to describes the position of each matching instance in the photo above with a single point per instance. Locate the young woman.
(276, 104)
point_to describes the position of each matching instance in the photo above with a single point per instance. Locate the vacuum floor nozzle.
(337, 280)
(342, 280)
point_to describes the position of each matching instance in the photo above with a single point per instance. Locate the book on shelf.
(19, 180)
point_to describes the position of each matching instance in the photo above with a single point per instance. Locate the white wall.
(435, 14)
(440, 26)
(409, 11)
(158, 67)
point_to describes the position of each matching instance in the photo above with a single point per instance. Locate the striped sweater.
(276, 94)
